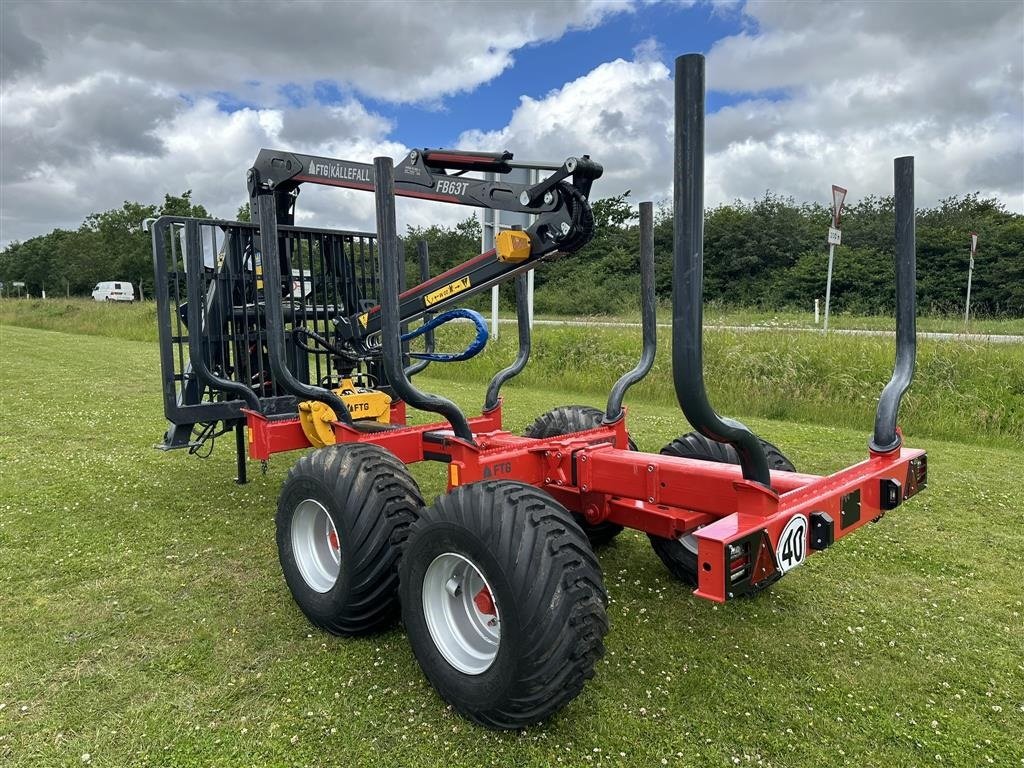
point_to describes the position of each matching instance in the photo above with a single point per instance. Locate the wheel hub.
(689, 541)
(484, 602)
(461, 614)
(315, 545)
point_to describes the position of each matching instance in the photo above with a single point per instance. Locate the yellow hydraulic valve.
(363, 404)
(513, 245)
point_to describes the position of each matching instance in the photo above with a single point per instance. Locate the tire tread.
(381, 500)
(560, 596)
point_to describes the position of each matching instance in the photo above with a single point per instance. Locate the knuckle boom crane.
(560, 202)
(286, 320)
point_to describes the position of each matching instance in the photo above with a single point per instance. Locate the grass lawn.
(144, 619)
(137, 321)
(717, 315)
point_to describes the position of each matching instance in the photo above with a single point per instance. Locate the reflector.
(838, 197)
(764, 563)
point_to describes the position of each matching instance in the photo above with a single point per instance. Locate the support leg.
(240, 477)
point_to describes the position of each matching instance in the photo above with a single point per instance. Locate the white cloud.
(829, 93)
(396, 51)
(856, 85)
(208, 150)
(104, 103)
(620, 113)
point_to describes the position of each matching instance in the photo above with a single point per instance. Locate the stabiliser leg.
(241, 478)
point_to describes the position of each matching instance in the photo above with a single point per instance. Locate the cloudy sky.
(106, 102)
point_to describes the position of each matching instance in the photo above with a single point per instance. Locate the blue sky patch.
(539, 69)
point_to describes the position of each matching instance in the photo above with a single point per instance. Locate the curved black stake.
(885, 438)
(523, 324)
(422, 250)
(197, 342)
(688, 276)
(387, 239)
(648, 317)
(274, 315)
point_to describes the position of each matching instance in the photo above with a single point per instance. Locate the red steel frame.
(738, 523)
(748, 533)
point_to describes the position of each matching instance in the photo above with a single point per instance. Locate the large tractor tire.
(503, 602)
(680, 555)
(576, 418)
(342, 516)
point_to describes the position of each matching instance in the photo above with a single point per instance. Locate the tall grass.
(963, 391)
(719, 314)
(135, 321)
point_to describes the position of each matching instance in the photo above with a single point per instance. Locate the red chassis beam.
(771, 533)
(270, 436)
(747, 535)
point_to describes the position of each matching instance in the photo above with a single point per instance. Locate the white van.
(111, 291)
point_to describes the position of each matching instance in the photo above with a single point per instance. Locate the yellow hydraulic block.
(513, 245)
(363, 404)
(316, 419)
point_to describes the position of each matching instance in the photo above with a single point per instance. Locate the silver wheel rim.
(461, 613)
(315, 545)
(689, 541)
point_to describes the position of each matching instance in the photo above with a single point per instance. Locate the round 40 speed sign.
(792, 547)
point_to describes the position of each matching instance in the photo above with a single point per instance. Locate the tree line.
(769, 253)
(107, 246)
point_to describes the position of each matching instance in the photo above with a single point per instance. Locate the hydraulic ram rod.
(457, 284)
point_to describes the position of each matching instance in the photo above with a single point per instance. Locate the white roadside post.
(496, 228)
(834, 239)
(534, 180)
(970, 270)
(490, 222)
(817, 312)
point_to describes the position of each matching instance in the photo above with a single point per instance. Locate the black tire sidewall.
(680, 561)
(471, 694)
(320, 607)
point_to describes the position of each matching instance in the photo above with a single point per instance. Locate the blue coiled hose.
(451, 357)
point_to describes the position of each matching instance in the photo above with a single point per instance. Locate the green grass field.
(963, 391)
(145, 620)
(791, 319)
(137, 321)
